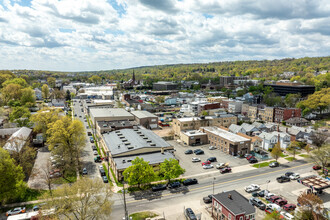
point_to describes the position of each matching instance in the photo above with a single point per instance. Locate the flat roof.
(143, 114)
(206, 117)
(110, 112)
(152, 158)
(193, 133)
(225, 134)
(127, 140)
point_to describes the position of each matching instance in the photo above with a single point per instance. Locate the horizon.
(105, 35)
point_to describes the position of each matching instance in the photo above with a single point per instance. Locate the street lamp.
(213, 185)
(268, 181)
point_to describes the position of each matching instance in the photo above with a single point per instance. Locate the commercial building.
(283, 114)
(226, 141)
(108, 126)
(109, 114)
(194, 123)
(232, 205)
(284, 88)
(165, 86)
(193, 137)
(146, 119)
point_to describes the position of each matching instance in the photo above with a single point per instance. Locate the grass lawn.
(263, 164)
(69, 178)
(143, 215)
(303, 155)
(283, 155)
(113, 174)
(290, 158)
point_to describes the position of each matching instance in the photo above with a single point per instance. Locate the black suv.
(199, 152)
(158, 187)
(189, 213)
(253, 160)
(190, 182)
(188, 152)
(282, 179)
(174, 185)
(258, 203)
(212, 159)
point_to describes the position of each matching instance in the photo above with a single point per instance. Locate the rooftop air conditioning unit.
(152, 144)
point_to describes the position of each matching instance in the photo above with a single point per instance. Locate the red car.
(249, 157)
(206, 162)
(274, 198)
(316, 167)
(281, 202)
(289, 207)
(225, 170)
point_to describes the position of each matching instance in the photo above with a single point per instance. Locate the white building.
(235, 106)
(270, 139)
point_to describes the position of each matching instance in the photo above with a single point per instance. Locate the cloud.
(167, 6)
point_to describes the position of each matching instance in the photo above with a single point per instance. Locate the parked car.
(289, 207)
(188, 152)
(55, 173)
(253, 160)
(207, 199)
(269, 195)
(212, 148)
(212, 159)
(195, 159)
(189, 213)
(190, 182)
(199, 152)
(16, 211)
(274, 164)
(258, 203)
(317, 167)
(196, 150)
(91, 139)
(252, 188)
(174, 185)
(206, 163)
(295, 176)
(255, 194)
(281, 202)
(262, 193)
(158, 187)
(225, 170)
(221, 165)
(248, 155)
(282, 179)
(105, 179)
(286, 215)
(288, 174)
(273, 199)
(273, 206)
(207, 166)
(94, 147)
(95, 152)
(84, 172)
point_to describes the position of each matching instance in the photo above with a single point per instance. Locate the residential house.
(250, 130)
(57, 103)
(235, 107)
(259, 125)
(253, 112)
(297, 121)
(270, 139)
(270, 126)
(236, 129)
(38, 94)
(245, 109)
(231, 205)
(266, 114)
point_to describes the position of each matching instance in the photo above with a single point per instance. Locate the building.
(266, 114)
(109, 114)
(19, 139)
(232, 205)
(245, 109)
(193, 137)
(250, 130)
(270, 139)
(226, 141)
(235, 107)
(236, 129)
(283, 114)
(57, 103)
(253, 112)
(108, 126)
(284, 88)
(38, 94)
(198, 106)
(159, 86)
(297, 121)
(130, 83)
(146, 119)
(194, 123)
(216, 99)
(127, 144)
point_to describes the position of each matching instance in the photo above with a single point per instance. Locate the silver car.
(195, 159)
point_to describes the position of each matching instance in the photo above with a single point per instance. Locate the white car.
(286, 215)
(207, 166)
(252, 188)
(269, 195)
(195, 159)
(221, 165)
(295, 176)
(273, 206)
(95, 152)
(212, 148)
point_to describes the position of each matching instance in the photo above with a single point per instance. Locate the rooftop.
(235, 202)
(18, 139)
(206, 117)
(225, 134)
(110, 112)
(192, 133)
(165, 83)
(143, 114)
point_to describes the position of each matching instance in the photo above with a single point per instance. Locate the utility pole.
(125, 208)
(213, 185)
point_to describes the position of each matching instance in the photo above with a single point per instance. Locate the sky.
(90, 35)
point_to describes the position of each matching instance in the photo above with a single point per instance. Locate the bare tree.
(47, 176)
(319, 139)
(321, 156)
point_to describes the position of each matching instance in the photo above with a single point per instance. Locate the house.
(57, 103)
(297, 121)
(270, 126)
(18, 140)
(38, 94)
(260, 126)
(250, 129)
(232, 205)
(270, 139)
(235, 106)
(236, 129)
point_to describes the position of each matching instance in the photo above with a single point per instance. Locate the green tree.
(11, 178)
(68, 95)
(293, 148)
(318, 101)
(276, 151)
(95, 79)
(11, 92)
(44, 119)
(197, 87)
(160, 99)
(51, 82)
(171, 169)
(66, 138)
(28, 97)
(139, 173)
(275, 215)
(291, 100)
(36, 85)
(271, 99)
(45, 91)
(21, 116)
(86, 199)
(321, 156)
(204, 113)
(58, 94)
(18, 81)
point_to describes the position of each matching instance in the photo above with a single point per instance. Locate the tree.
(11, 178)
(272, 99)
(318, 101)
(45, 91)
(321, 156)
(171, 169)
(28, 97)
(83, 200)
(58, 94)
(51, 82)
(204, 113)
(66, 138)
(311, 206)
(11, 92)
(36, 85)
(23, 156)
(292, 148)
(160, 99)
(291, 100)
(139, 173)
(44, 119)
(68, 95)
(18, 81)
(275, 215)
(276, 151)
(21, 116)
(319, 139)
(95, 79)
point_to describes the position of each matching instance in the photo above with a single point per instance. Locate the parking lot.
(196, 168)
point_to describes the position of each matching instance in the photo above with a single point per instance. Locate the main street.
(172, 203)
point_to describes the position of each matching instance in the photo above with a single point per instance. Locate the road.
(172, 203)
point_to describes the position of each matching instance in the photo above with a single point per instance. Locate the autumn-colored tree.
(311, 207)
(276, 151)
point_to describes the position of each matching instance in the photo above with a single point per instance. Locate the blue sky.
(82, 35)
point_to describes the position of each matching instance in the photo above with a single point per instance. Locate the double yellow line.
(217, 184)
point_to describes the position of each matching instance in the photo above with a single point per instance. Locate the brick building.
(283, 114)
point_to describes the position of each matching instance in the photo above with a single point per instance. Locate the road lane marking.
(218, 184)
